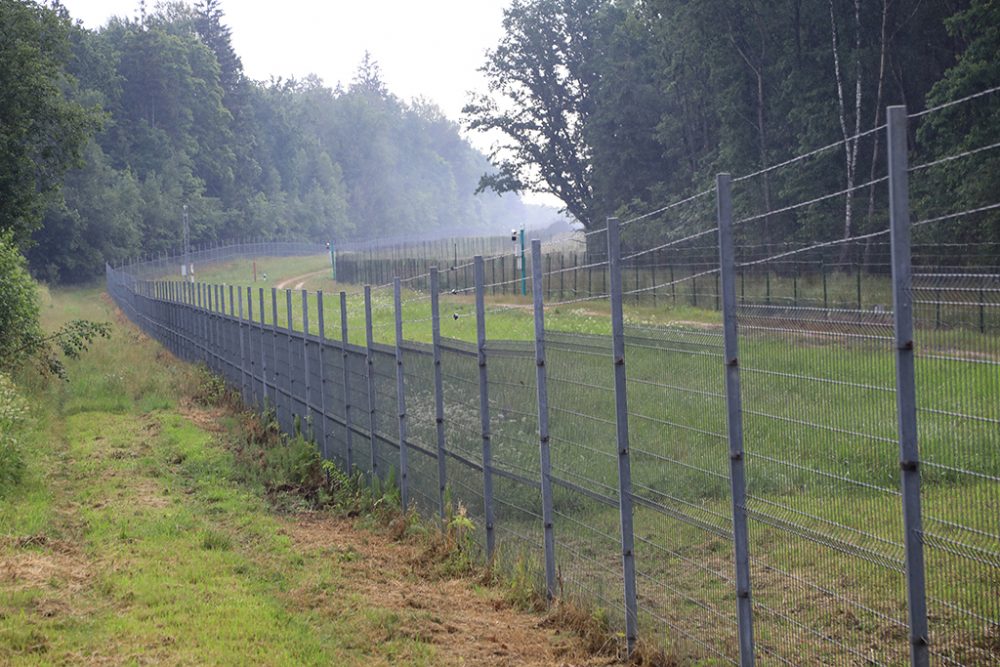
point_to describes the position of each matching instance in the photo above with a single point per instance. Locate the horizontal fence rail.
(800, 465)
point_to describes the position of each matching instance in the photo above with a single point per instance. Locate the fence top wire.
(949, 216)
(581, 267)
(663, 209)
(961, 100)
(812, 153)
(668, 244)
(825, 244)
(465, 290)
(810, 202)
(567, 302)
(957, 156)
(693, 276)
(404, 281)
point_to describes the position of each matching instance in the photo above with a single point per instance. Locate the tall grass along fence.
(772, 468)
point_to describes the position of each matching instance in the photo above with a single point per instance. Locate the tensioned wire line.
(673, 282)
(825, 244)
(672, 243)
(810, 154)
(818, 151)
(957, 156)
(961, 100)
(567, 269)
(981, 209)
(663, 209)
(810, 202)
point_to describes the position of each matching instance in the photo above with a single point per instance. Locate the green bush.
(13, 415)
(19, 328)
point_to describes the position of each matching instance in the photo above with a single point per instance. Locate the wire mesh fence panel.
(584, 471)
(333, 384)
(421, 426)
(514, 440)
(463, 433)
(680, 478)
(361, 452)
(823, 498)
(386, 410)
(797, 429)
(956, 310)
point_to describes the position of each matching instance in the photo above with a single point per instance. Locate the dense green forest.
(613, 106)
(623, 106)
(156, 112)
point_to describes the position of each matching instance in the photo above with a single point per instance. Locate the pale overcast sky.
(429, 48)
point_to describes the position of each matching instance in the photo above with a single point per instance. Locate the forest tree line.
(134, 120)
(616, 107)
(619, 107)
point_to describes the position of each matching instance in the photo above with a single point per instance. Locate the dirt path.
(299, 281)
(466, 623)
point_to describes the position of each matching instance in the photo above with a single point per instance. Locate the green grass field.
(820, 429)
(136, 536)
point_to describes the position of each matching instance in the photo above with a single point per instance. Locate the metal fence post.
(370, 361)
(243, 359)
(621, 421)
(484, 407)
(308, 408)
(438, 392)
(321, 323)
(541, 383)
(251, 360)
(906, 402)
(211, 324)
(290, 375)
(265, 404)
(734, 419)
(275, 372)
(348, 428)
(404, 469)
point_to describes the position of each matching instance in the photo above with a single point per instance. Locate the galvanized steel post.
(484, 407)
(348, 426)
(276, 367)
(906, 402)
(541, 384)
(734, 419)
(404, 488)
(621, 421)
(265, 404)
(308, 408)
(251, 361)
(321, 323)
(290, 375)
(438, 392)
(370, 366)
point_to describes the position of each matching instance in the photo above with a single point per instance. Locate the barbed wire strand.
(672, 282)
(952, 103)
(825, 244)
(568, 302)
(810, 154)
(671, 243)
(810, 202)
(667, 207)
(981, 209)
(958, 156)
